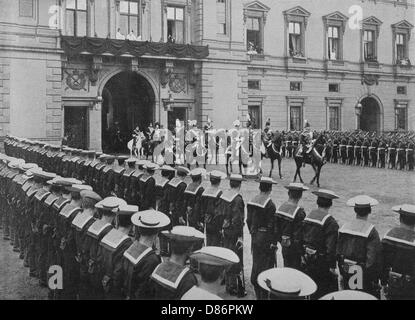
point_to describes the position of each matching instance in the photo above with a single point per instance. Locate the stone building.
(86, 69)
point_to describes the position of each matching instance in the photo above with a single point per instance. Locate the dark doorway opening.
(128, 102)
(370, 117)
(177, 113)
(75, 127)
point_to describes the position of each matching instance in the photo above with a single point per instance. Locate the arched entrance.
(370, 118)
(128, 101)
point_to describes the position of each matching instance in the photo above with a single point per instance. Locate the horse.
(315, 158)
(273, 151)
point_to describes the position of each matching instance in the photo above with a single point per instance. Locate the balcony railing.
(98, 46)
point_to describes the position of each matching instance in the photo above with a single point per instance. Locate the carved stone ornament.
(370, 80)
(75, 79)
(177, 83)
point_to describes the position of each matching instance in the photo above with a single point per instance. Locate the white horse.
(138, 148)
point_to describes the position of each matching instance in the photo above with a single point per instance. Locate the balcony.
(98, 46)
(403, 67)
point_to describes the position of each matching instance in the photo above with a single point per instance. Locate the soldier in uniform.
(107, 180)
(119, 170)
(319, 240)
(175, 196)
(213, 218)
(95, 233)
(410, 155)
(359, 245)
(133, 193)
(148, 187)
(232, 207)
(260, 221)
(289, 219)
(80, 224)
(167, 174)
(358, 152)
(192, 198)
(212, 261)
(401, 155)
(286, 284)
(365, 152)
(343, 149)
(350, 151)
(172, 278)
(98, 174)
(124, 181)
(392, 154)
(382, 153)
(140, 259)
(399, 256)
(373, 152)
(113, 245)
(335, 151)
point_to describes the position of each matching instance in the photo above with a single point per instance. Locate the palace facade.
(82, 68)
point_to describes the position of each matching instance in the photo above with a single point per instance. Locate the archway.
(370, 118)
(128, 101)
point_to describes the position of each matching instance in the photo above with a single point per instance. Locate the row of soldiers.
(311, 243)
(87, 228)
(358, 148)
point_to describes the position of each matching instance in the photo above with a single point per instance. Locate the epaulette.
(229, 195)
(81, 220)
(136, 252)
(169, 274)
(98, 228)
(50, 200)
(211, 192)
(69, 210)
(41, 194)
(357, 228)
(175, 182)
(260, 201)
(114, 239)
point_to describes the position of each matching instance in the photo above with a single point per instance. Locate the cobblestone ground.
(389, 187)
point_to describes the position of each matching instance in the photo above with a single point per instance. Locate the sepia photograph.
(201, 150)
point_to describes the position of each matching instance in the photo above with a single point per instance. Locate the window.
(333, 43)
(221, 16)
(295, 86)
(254, 35)
(401, 116)
(26, 8)
(334, 87)
(295, 118)
(175, 24)
(401, 90)
(76, 18)
(129, 17)
(369, 45)
(295, 39)
(254, 84)
(334, 118)
(402, 34)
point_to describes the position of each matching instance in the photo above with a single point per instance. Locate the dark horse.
(273, 151)
(315, 158)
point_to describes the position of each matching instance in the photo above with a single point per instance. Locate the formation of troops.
(123, 228)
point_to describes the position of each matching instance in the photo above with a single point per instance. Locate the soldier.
(365, 152)
(286, 284)
(212, 261)
(172, 278)
(95, 233)
(140, 259)
(148, 187)
(113, 245)
(359, 245)
(335, 151)
(192, 198)
(410, 155)
(175, 196)
(399, 256)
(98, 174)
(350, 151)
(107, 177)
(119, 170)
(392, 154)
(167, 174)
(134, 193)
(401, 155)
(289, 220)
(358, 151)
(290, 146)
(373, 152)
(343, 149)
(232, 207)
(82, 221)
(382, 154)
(261, 210)
(319, 240)
(213, 219)
(124, 191)
(90, 168)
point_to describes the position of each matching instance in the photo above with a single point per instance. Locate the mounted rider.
(306, 140)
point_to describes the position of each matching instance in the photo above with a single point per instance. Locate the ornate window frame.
(401, 27)
(295, 101)
(401, 104)
(335, 19)
(334, 102)
(371, 24)
(257, 9)
(296, 14)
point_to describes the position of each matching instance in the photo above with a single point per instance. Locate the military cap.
(84, 152)
(167, 168)
(151, 166)
(103, 156)
(98, 153)
(405, 210)
(141, 163)
(296, 187)
(91, 153)
(127, 210)
(184, 234)
(122, 159)
(326, 194)
(109, 159)
(78, 187)
(29, 166)
(217, 174)
(150, 219)
(362, 201)
(197, 172)
(236, 177)
(215, 256)
(90, 195)
(287, 282)
(267, 180)
(348, 295)
(131, 160)
(110, 204)
(182, 169)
